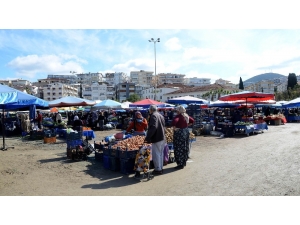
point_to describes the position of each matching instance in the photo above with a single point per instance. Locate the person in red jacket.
(139, 124)
(39, 119)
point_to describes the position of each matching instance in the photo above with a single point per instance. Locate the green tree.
(241, 84)
(292, 80)
(133, 98)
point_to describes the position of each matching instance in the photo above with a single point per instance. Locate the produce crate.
(74, 136)
(114, 163)
(49, 140)
(99, 156)
(98, 146)
(73, 143)
(126, 166)
(127, 154)
(114, 152)
(106, 151)
(106, 162)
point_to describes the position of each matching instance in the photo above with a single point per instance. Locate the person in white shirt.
(58, 118)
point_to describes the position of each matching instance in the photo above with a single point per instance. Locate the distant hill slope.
(264, 76)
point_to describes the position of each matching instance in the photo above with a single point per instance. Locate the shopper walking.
(156, 136)
(181, 136)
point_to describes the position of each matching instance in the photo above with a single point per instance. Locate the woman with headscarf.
(181, 136)
(138, 124)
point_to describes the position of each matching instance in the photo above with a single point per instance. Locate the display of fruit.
(133, 143)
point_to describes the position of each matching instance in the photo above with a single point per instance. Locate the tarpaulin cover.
(187, 100)
(11, 98)
(71, 101)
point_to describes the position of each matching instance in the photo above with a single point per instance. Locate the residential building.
(5, 82)
(89, 78)
(124, 90)
(196, 81)
(70, 78)
(20, 82)
(226, 83)
(161, 91)
(170, 78)
(111, 92)
(210, 92)
(141, 77)
(96, 91)
(58, 90)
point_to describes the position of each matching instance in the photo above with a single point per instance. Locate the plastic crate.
(99, 156)
(114, 152)
(170, 145)
(126, 166)
(98, 146)
(106, 162)
(125, 154)
(49, 140)
(106, 151)
(114, 163)
(74, 136)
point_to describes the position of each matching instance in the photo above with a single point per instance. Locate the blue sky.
(33, 52)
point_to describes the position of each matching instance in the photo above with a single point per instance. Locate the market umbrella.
(295, 103)
(11, 99)
(223, 104)
(125, 105)
(146, 103)
(107, 104)
(71, 101)
(187, 100)
(251, 97)
(53, 110)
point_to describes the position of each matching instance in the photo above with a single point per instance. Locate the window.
(160, 97)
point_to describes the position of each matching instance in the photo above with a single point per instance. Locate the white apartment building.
(161, 90)
(141, 77)
(196, 81)
(70, 78)
(226, 83)
(89, 78)
(20, 82)
(58, 90)
(200, 92)
(96, 91)
(170, 78)
(112, 79)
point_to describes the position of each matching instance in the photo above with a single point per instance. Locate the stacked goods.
(243, 123)
(133, 143)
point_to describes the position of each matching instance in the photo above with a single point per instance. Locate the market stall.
(119, 151)
(11, 99)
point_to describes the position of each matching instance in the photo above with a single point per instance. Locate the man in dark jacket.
(156, 136)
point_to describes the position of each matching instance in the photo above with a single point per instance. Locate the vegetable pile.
(169, 132)
(133, 143)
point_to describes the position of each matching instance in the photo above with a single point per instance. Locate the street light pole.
(156, 81)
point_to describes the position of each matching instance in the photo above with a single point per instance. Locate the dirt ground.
(266, 164)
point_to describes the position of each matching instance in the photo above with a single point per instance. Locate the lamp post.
(156, 81)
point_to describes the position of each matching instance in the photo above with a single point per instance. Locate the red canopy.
(251, 97)
(147, 102)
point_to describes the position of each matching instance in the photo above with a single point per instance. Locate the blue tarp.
(11, 98)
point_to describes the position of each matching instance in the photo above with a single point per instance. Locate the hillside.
(264, 76)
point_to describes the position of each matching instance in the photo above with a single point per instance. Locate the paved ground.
(265, 164)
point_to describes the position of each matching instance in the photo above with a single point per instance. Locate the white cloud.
(32, 65)
(173, 44)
